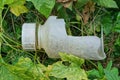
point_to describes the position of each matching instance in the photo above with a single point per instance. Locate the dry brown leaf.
(66, 3)
(88, 9)
(63, 1)
(86, 15)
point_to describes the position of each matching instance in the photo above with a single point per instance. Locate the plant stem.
(0, 19)
(10, 39)
(0, 29)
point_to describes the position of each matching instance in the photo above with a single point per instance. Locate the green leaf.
(109, 66)
(70, 72)
(3, 2)
(72, 59)
(81, 3)
(10, 72)
(100, 69)
(117, 28)
(6, 74)
(44, 6)
(54, 78)
(107, 74)
(65, 16)
(17, 10)
(107, 3)
(117, 25)
(118, 17)
(24, 62)
(24, 69)
(1, 60)
(17, 7)
(117, 41)
(107, 24)
(112, 74)
(93, 74)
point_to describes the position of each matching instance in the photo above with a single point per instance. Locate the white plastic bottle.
(52, 37)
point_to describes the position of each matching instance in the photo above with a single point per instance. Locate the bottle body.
(52, 37)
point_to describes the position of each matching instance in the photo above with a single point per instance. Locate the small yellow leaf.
(17, 10)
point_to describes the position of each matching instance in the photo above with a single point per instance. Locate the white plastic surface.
(28, 36)
(52, 37)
